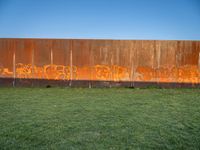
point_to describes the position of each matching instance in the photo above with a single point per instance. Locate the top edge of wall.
(95, 39)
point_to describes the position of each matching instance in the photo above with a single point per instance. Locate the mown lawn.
(116, 118)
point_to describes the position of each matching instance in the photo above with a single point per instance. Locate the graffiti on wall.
(187, 73)
(5, 71)
(50, 71)
(61, 72)
(113, 72)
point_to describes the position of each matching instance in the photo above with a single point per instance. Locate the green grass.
(76, 118)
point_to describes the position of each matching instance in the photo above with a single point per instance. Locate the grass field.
(76, 118)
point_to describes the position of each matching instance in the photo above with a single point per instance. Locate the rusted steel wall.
(101, 60)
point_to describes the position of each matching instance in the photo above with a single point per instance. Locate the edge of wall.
(11, 82)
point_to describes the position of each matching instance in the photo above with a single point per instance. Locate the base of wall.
(10, 82)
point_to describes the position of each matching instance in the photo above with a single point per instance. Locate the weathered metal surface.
(94, 63)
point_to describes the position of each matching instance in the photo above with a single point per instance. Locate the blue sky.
(100, 19)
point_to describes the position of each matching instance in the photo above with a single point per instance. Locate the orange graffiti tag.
(120, 73)
(103, 72)
(114, 72)
(5, 71)
(182, 74)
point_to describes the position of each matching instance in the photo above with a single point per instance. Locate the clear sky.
(100, 19)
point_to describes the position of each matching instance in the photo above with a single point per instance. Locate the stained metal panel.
(101, 60)
(42, 59)
(81, 64)
(24, 58)
(7, 49)
(60, 60)
(155, 62)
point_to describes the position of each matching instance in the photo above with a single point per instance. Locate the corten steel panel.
(198, 49)
(121, 62)
(187, 62)
(145, 69)
(107, 59)
(7, 49)
(166, 61)
(60, 60)
(42, 59)
(80, 59)
(24, 66)
(136, 46)
(101, 60)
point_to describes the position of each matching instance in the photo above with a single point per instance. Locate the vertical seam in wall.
(51, 56)
(14, 72)
(32, 62)
(158, 61)
(71, 63)
(89, 46)
(131, 61)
